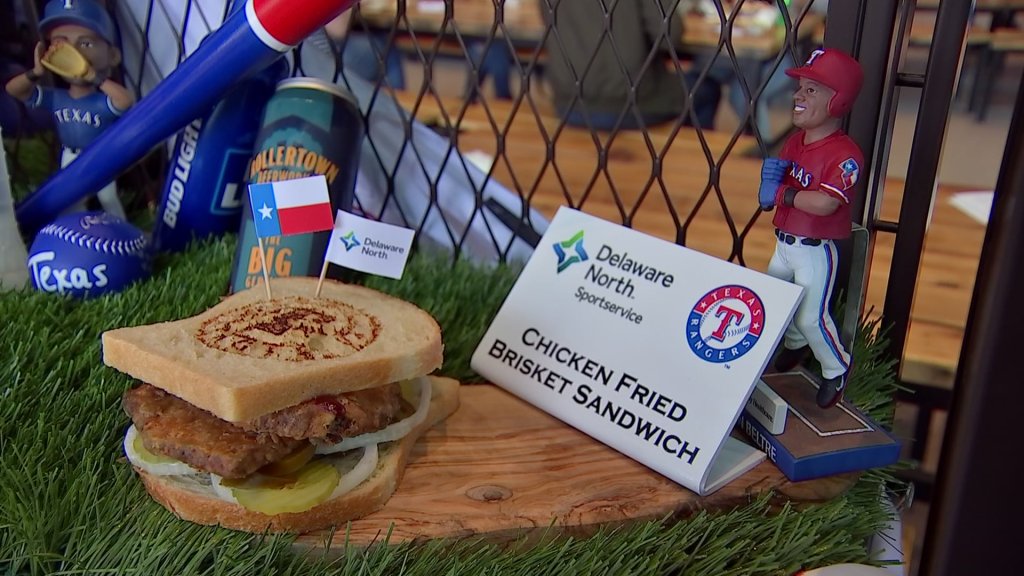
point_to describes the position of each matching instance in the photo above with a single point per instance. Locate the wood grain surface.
(500, 469)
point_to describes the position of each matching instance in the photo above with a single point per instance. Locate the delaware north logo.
(725, 324)
(349, 240)
(570, 251)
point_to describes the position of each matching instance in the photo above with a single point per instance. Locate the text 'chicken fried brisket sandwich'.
(288, 415)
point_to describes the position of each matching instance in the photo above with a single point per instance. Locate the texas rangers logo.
(814, 56)
(570, 251)
(851, 172)
(725, 324)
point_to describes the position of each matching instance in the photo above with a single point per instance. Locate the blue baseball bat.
(247, 42)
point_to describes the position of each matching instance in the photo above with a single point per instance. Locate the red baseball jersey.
(832, 166)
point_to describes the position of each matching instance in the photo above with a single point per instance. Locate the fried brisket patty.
(177, 429)
(329, 419)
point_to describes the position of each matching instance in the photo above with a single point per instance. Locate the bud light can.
(310, 127)
(204, 190)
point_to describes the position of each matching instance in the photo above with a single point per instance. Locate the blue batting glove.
(766, 195)
(773, 170)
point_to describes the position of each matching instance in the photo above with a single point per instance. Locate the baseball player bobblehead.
(81, 48)
(810, 184)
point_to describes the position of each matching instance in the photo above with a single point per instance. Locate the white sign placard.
(647, 346)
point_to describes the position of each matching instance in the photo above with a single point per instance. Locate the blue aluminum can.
(204, 190)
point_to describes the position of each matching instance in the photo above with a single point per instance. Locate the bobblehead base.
(818, 442)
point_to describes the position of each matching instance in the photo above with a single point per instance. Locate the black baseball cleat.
(830, 391)
(790, 358)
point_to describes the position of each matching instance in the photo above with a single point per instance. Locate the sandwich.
(285, 415)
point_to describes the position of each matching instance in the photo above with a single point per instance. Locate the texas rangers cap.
(837, 70)
(82, 12)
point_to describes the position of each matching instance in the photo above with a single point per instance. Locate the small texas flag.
(290, 207)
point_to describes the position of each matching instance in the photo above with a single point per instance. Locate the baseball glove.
(64, 60)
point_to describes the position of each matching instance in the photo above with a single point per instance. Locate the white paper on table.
(977, 205)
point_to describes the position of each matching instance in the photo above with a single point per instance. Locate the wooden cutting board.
(500, 469)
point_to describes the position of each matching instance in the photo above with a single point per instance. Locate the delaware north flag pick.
(369, 246)
(289, 207)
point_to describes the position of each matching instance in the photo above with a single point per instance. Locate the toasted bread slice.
(196, 503)
(248, 356)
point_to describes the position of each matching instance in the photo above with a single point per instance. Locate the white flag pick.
(368, 245)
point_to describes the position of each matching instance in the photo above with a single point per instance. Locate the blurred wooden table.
(979, 5)
(659, 182)
(521, 21)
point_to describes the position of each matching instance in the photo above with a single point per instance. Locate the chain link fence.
(484, 116)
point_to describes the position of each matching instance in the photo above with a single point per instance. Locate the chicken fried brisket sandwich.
(287, 415)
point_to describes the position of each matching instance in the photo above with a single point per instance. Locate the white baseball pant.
(107, 195)
(814, 269)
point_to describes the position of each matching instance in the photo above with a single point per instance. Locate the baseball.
(87, 254)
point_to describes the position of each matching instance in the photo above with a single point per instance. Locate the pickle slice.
(313, 484)
(291, 463)
(410, 391)
(259, 481)
(149, 457)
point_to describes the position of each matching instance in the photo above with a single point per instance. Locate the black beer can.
(310, 127)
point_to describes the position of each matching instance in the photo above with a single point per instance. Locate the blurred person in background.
(364, 53)
(15, 51)
(596, 77)
(722, 75)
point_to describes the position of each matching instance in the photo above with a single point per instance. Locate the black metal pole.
(866, 34)
(862, 124)
(940, 79)
(974, 520)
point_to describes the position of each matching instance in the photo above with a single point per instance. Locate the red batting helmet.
(837, 70)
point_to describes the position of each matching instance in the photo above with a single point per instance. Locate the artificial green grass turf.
(69, 502)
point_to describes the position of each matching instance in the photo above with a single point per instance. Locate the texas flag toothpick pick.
(288, 207)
